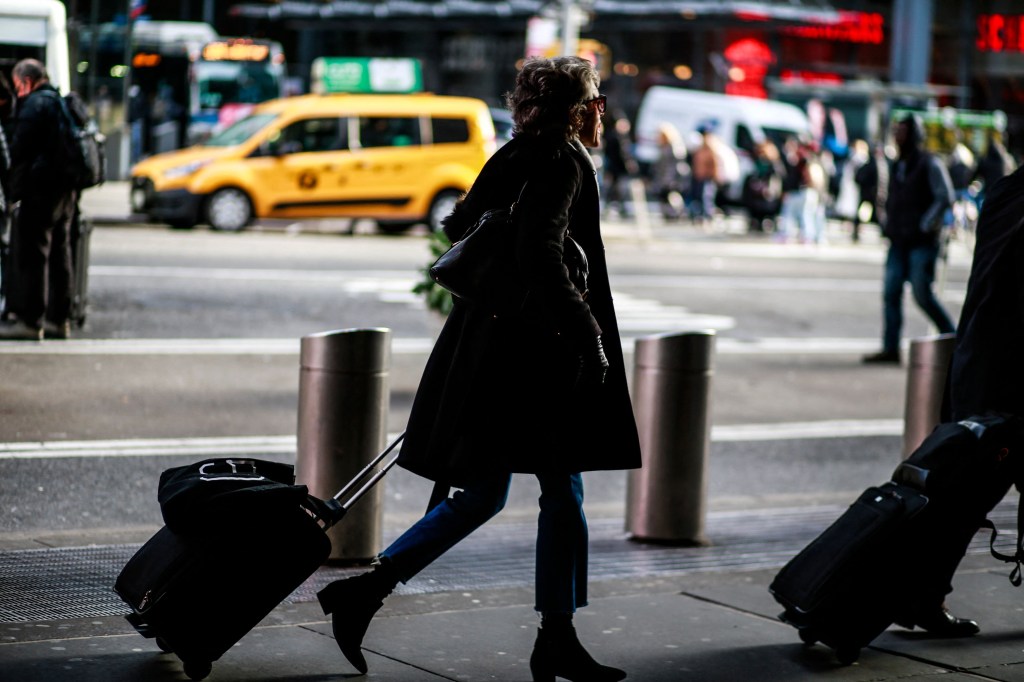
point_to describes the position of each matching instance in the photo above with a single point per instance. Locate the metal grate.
(69, 583)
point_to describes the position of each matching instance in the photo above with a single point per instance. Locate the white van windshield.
(240, 131)
(778, 136)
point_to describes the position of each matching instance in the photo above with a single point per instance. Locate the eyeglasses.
(601, 101)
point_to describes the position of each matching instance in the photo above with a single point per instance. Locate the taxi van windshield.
(240, 131)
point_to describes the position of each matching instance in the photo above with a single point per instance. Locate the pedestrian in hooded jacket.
(40, 291)
(539, 391)
(920, 192)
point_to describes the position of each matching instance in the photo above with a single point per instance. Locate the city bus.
(185, 78)
(229, 78)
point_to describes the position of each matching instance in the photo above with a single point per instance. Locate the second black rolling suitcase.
(843, 588)
(897, 546)
(240, 538)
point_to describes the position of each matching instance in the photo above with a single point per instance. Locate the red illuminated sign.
(852, 27)
(1000, 33)
(800, 76)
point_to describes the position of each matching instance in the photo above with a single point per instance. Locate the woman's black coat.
(498, 392)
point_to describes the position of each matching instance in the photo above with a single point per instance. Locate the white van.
(740, 122)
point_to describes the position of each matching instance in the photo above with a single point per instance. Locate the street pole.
(94, 29)
(126, 126)
(570, 28)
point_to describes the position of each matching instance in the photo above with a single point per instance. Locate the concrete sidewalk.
(664, 614)
(109, 204)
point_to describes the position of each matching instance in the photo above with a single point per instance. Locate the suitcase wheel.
(847, 655)
(808, 636)
(197, 670)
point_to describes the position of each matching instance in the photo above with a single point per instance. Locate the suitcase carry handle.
(329, 512)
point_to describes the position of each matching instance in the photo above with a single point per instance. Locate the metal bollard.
(926, 383)
(666, 498)
(343, 407)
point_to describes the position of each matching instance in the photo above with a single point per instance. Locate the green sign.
(366, 75)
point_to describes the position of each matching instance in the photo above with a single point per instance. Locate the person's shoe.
(885, 357)
(354, 601)
(16, 330)
(941, 623)
(54, 330)
(558, 653)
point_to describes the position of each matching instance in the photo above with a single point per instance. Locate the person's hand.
(593, 365)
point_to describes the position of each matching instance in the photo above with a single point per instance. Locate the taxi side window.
(314, 135)
(389, 131)
(449, 130)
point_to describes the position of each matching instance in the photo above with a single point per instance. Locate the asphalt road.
(194, 335)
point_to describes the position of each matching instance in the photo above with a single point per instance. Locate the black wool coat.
(498, 391)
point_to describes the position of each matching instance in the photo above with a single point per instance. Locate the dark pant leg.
(447, 524)
(60, 271)
(892, 297)
(562, 544)
(943, 532)
(30, 247)
(922, 277)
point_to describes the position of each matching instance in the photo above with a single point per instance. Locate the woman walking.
(539, 391)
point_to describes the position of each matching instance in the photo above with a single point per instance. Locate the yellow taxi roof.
(369, 104)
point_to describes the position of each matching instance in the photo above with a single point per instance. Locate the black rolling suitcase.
(899, 542)
(240, 538)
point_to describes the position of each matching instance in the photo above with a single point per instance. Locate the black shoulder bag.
(478, 267)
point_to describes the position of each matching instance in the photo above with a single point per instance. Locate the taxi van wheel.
(441, 208)
(394, 227)
(228, 210)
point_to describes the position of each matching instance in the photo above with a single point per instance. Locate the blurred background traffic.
(779, 112)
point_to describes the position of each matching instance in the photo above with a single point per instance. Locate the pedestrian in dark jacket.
(541, 391)
(40, 244)
(919, 194)
(985, 375)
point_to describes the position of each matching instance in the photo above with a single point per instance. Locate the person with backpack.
(45, 194)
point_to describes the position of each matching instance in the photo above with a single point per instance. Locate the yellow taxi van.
(401, 160)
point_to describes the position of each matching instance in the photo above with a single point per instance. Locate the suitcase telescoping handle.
(338, 509)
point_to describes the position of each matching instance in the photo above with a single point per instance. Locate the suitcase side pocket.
(809, 578)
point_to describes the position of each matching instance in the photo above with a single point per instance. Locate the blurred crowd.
(792, 189)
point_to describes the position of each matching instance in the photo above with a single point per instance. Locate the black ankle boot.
(354, 601)
(558, 653)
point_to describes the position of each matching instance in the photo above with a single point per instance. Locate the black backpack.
(85, 145)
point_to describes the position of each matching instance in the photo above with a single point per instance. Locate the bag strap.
(512, 208)
(1018, 556)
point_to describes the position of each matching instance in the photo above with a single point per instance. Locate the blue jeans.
(561, 569)
(914, 264)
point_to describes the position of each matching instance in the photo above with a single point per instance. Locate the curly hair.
(548, 96)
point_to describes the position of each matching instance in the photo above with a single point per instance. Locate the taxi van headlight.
(186, 169)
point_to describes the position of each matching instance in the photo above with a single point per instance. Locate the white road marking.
(255, 446)
(402, 346)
